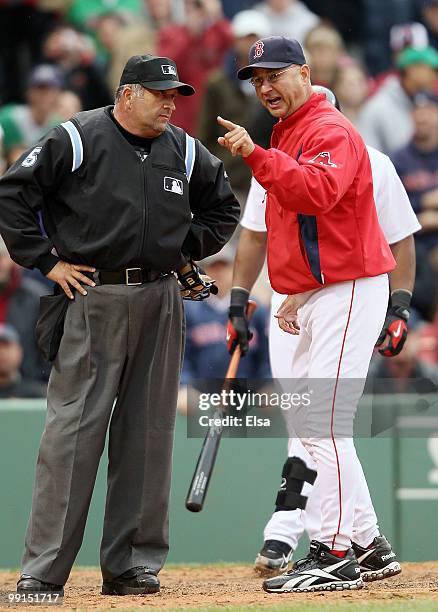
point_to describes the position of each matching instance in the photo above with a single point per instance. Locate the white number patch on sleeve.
(31, 158)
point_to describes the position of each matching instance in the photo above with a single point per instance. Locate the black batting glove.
(194, 283)
(238, 333)
(395, 325)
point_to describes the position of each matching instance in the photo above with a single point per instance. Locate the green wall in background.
(402, 475)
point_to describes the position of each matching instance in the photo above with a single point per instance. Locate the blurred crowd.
(58, 57)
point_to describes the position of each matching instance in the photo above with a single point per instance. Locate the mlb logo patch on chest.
(173, 185)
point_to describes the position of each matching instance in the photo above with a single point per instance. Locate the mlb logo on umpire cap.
(168, 69)
(273, 52)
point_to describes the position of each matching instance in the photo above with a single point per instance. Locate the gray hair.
(136, 88)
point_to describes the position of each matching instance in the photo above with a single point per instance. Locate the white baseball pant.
(339, 327)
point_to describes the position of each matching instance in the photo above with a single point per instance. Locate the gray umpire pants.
(121, 343)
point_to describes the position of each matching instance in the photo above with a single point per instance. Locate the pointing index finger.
(227, 124)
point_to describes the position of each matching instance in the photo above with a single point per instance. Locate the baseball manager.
(324, 242)
(126, 198)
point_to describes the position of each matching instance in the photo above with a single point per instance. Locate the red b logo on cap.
(258, 52)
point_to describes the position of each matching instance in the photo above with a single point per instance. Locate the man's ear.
(305, 73)
(128, 94)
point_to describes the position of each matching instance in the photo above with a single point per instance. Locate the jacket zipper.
(144, 214)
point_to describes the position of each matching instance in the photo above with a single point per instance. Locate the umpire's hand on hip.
(236, 140)
(66, 274)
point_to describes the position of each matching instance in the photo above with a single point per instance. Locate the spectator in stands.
(107, 30)
(19, 306)
(325, 48)
(206, 355)
(12, 383)
(429, 14)
(140, 37)
(386, 120)
(68, 104)
(417, 166)
(75, 56)
(198, 46)
(25, 124)
(226, 95)
(351, 86)
(289, 18)
(404, 373)
(161, 13)
(402, 36)
(83, 13)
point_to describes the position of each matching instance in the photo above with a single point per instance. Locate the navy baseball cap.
(273, 52)
(45, 75)
(154, 73)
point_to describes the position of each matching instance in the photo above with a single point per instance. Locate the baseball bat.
(207, 457)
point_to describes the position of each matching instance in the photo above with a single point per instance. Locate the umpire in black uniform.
(126, 198)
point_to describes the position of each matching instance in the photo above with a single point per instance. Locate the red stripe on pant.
(333, 414)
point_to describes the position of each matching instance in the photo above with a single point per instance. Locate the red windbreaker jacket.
(320, 213)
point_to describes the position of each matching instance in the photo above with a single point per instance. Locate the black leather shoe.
(136, 581)
(28, 584)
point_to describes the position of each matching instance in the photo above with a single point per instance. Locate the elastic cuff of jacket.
(238, 301)
(401, 302)
(257, 158)
(46, 262)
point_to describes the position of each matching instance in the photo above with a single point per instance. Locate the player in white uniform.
(398, 222)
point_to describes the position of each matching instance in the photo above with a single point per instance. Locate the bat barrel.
(207, 457)
(204, 468)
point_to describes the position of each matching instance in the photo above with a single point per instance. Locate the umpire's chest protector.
(129, 211)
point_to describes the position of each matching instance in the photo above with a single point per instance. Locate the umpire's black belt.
(130, 276)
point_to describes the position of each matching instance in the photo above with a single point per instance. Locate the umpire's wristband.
(238, 302)
(400, 303)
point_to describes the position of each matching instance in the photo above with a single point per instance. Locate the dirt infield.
(232, 585)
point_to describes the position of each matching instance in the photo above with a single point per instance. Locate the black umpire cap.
(154, 73)
(273, 52)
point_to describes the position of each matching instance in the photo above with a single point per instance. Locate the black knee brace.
(295, 473)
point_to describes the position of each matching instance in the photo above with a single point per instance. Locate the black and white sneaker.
(319, 571)
(378, 561)
(273, 559)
